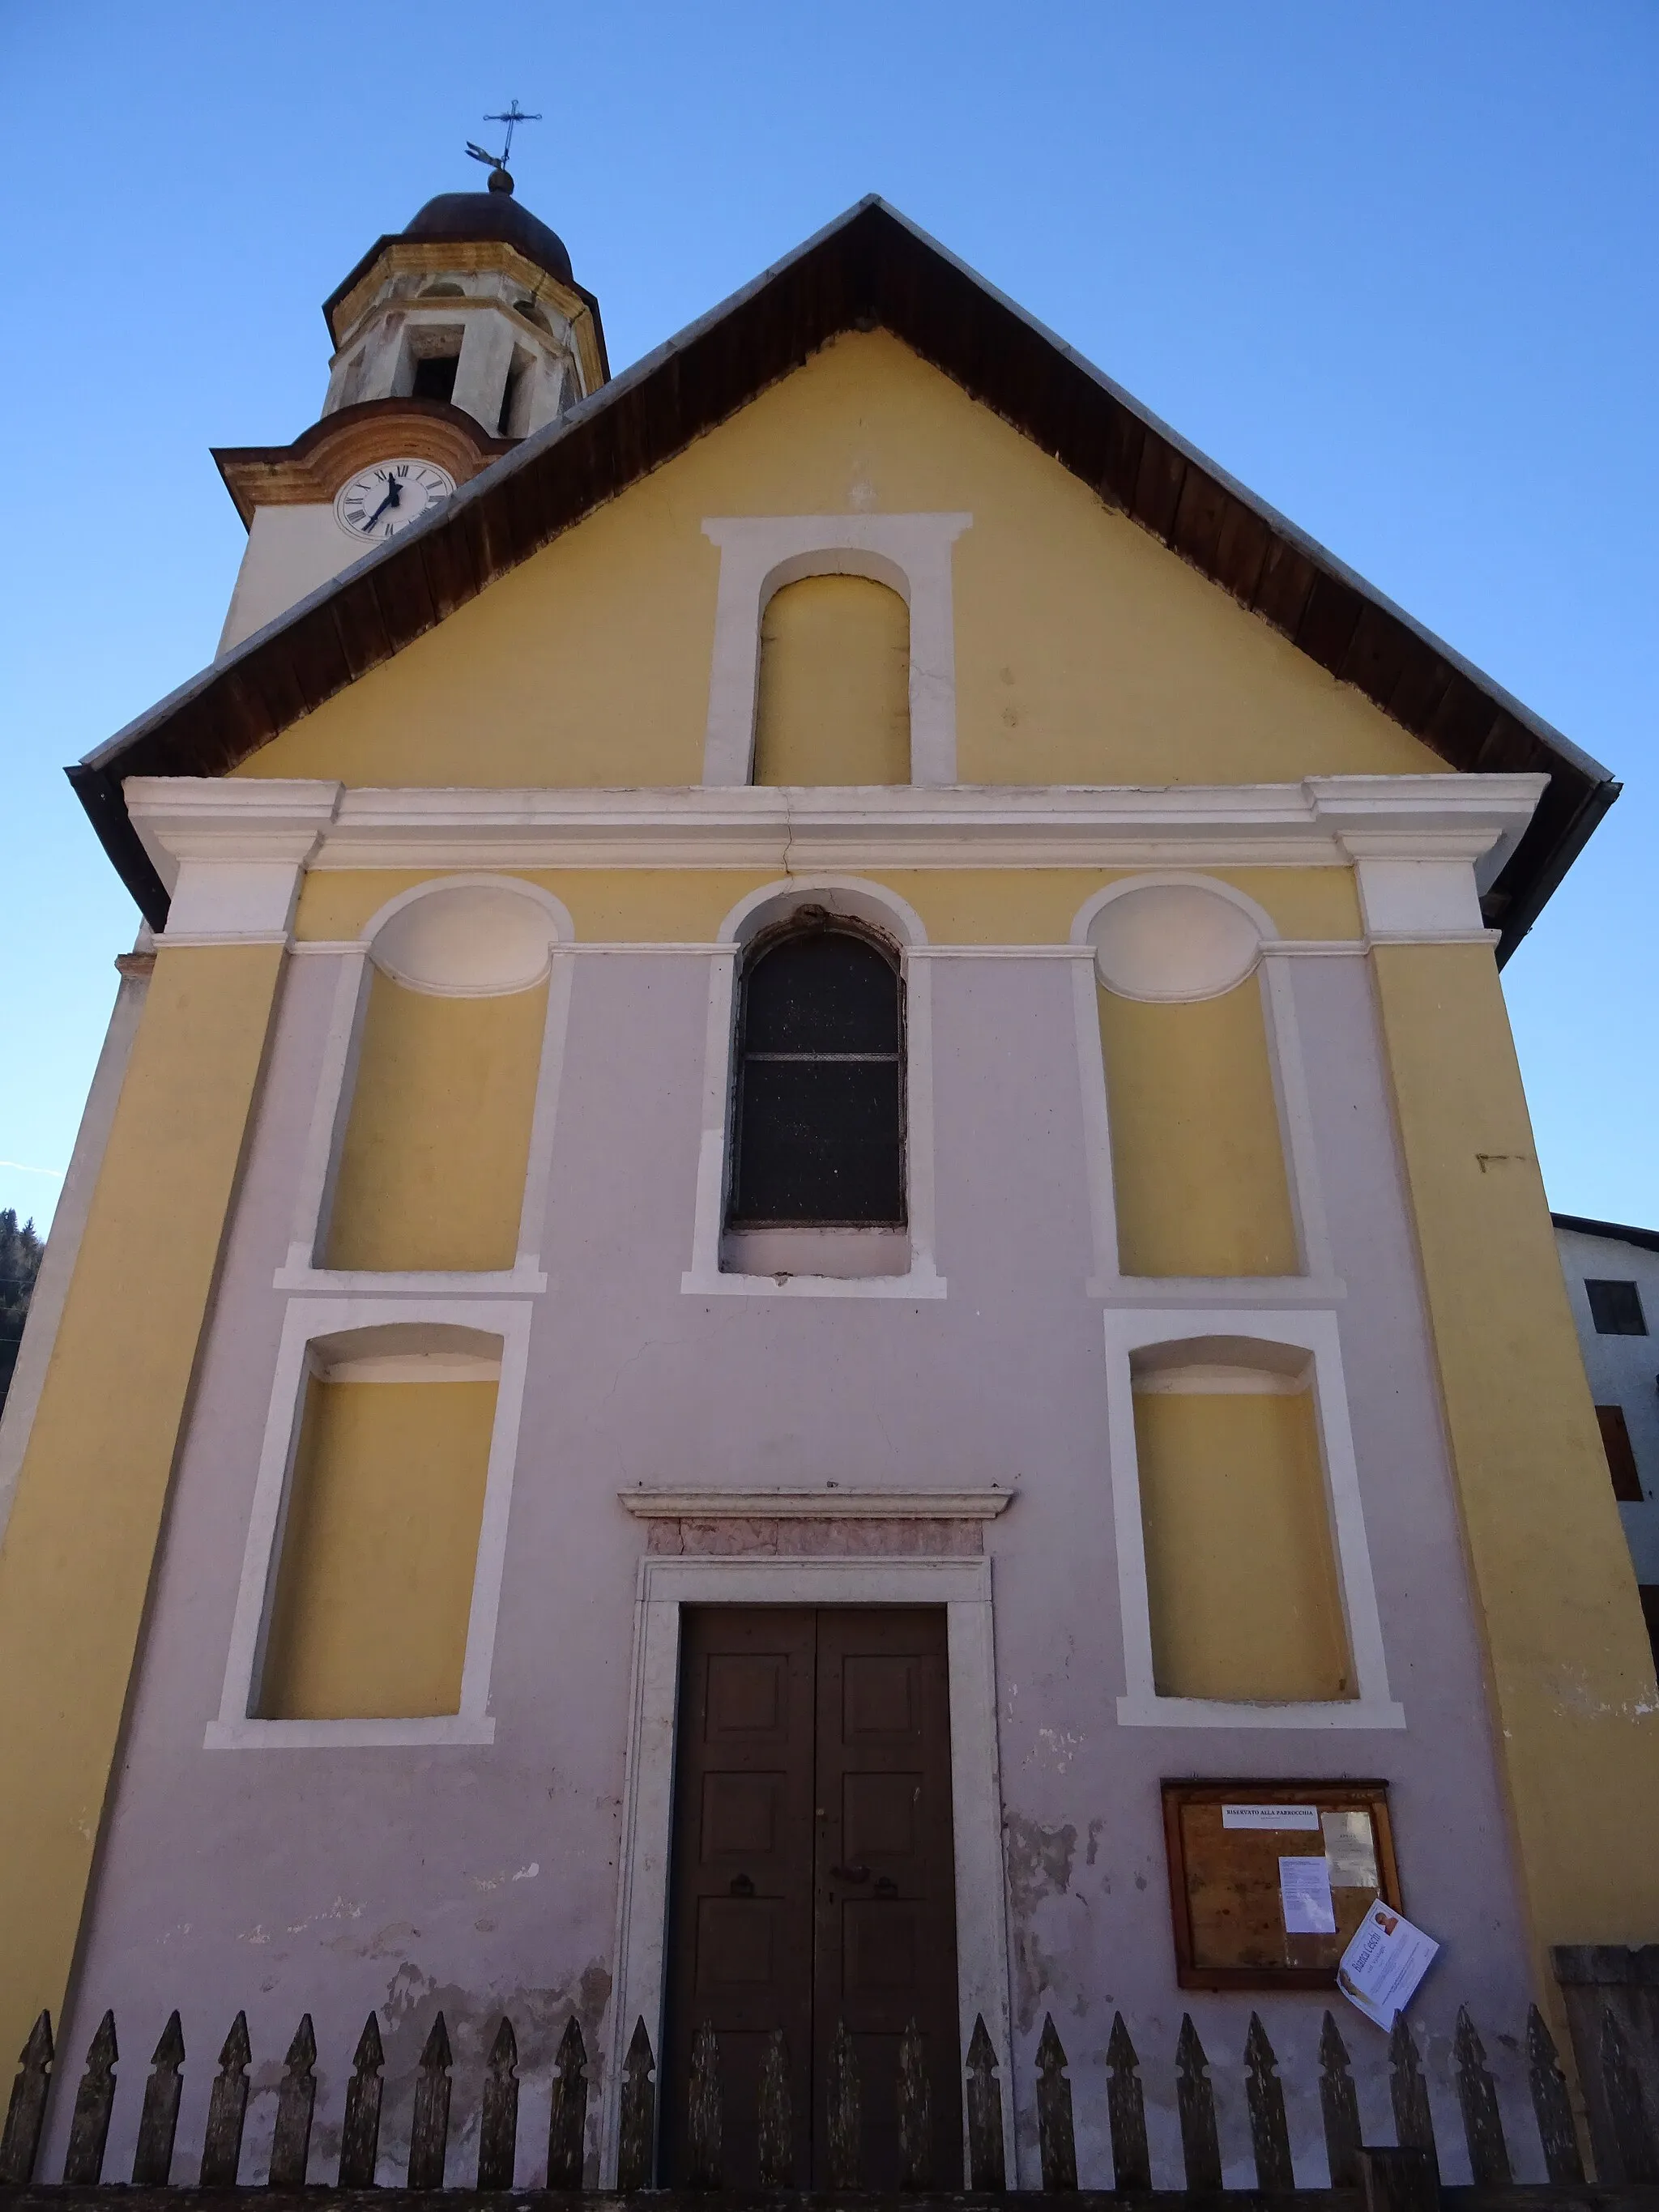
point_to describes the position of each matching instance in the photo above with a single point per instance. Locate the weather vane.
(514, 115)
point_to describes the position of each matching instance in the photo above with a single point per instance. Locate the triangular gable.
(871, 269)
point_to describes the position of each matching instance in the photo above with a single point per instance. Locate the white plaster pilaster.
(1411, 899)
(232, 860)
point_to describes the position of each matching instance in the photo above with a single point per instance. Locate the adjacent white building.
(1613, 1283)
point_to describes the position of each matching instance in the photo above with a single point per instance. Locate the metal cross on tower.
(513, 115)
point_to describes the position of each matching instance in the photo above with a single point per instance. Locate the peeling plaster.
(1039, 1862)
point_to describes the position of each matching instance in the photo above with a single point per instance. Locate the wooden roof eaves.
(870, 267)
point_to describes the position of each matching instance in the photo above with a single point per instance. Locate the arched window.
(819, 1129)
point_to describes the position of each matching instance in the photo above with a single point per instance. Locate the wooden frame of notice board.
(1228, 1895)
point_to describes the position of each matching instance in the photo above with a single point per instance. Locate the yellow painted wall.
(1570, 1664)
(432, 1172)
(833, 702)
(1086, 652)
(75, 1567)
(1198, 1158)
(957, 906)
(379, 1551)
(1239, 1566)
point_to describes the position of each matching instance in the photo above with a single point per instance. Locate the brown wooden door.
(813, 1873)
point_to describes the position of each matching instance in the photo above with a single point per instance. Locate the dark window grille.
(820, 1108)
(1616, 1308)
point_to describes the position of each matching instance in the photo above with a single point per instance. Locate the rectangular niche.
(1242, 1588)
(372, 1584)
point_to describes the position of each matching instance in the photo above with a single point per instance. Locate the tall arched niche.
(1199, 1175)
(432, 1165)
(833, 699)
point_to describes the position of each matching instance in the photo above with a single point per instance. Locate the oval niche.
(475, 941)
(1173, 941)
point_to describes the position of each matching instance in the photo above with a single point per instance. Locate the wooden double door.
(813, 1877)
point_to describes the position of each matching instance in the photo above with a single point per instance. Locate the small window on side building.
(1616, 1308)
(1621, 1459)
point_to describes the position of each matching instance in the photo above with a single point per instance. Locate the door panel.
(741, 1884)
(885, 1951)
(813, 1873)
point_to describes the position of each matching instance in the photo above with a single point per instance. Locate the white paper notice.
(1350, 1847)
(1271, 1816)
(1382, 1967)
(1305, 1897)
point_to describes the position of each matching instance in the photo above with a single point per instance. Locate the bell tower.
(452, 339)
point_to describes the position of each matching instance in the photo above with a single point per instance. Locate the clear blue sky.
(1393, 265)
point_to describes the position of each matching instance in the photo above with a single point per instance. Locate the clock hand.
(392, 499)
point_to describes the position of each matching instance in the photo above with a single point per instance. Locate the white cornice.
(182, 818)
(815, 1504)
(1323, 820)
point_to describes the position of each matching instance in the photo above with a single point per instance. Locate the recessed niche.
(1173, 941)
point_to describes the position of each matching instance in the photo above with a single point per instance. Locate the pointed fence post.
(158, 2124)
(1551, 2105)
(1477, 2099)
(1414, 2122)
(987, 2163)
(429, 2132)
(20, 2144)
(1339, 2107)
(1623, 2090)
(845, 2126)
(1056, 2137)
(916, 2112)
(567, 2126)
(296, 2100)
(83, 2163)
(498, 2124)
(1201, 2149)
(221, 2144)
(704, 2111)
(1126, 2109)
(775, 2129)
(360, 2132)
(1264, 2094)
(636, 2151)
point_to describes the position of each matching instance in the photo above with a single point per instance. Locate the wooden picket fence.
(1400, 2177)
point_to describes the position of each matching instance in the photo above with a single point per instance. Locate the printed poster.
(1380, 1970)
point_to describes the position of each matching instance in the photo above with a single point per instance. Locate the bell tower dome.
(452, 339)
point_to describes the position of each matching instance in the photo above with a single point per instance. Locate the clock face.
(387, 497)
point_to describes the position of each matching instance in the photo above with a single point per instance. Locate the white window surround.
(385, 1339)
(879, 908)
(963, 1587)
(1316, 1283)
(336, 1079)
(760, 554)
(1270, 1333)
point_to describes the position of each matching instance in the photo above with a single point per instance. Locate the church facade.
(807, 1285)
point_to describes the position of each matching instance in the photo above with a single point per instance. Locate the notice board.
(1246, 1915)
